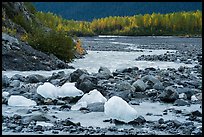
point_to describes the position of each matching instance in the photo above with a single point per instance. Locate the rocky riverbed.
(167, 101)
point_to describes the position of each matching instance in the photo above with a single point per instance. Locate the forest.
(176, 23)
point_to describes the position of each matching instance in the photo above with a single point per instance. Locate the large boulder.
(124, 85)
(169, 94)
(18, 77)
(86, 83)
(76, 74)
(104, 73)
(35, 78)
(139, 85)
(152, 82)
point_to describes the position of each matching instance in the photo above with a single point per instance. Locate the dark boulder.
(76, 74)
(35, 78)
(86, 83)
(169, 94)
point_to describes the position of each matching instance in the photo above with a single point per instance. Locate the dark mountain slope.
(90, 10)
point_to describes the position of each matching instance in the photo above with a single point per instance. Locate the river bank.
(167, 97)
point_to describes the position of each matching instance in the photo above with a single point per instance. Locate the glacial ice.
(88, 98)
(47, 90)
(16, 100)
(119, 109)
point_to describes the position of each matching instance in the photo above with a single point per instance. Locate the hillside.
(87, 11)
(29, 45)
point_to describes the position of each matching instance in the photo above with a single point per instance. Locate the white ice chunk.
(47, 90)
(79, 105)
(93, 97)
(69, 89)
(194, 98)
(182, 96)
(16, 100)
(88, 98)
(5, 94)
(119, 109)
(42, 123)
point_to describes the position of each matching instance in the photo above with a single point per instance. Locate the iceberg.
(47, 90)
(88, 98)
(119, 109)
(69, 89)
(16, 100)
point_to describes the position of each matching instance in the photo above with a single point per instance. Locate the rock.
(151, 92)
(124, 85)
(138, 120)
(18, 77)
(139, 85)
(126, 94)
(134, 102)
(18, 129)
(65, 107)
(197, 131)
(158, 86)
(15, 83)
(5, 81)
(177, 123)
(161, 121)
(149, 114)
(96, 107)
(104, 73)
(129, 70)
(60, 102)
(139, 95)
(48, 101)
(182, 96)
(67, 122)
(181, 69)
(199, 96)
(38, 128)
(76, 74)
(12, 126)
(196, 113)
(151, 81)
(169, 94)
(35, 78)
(58, 75)
(36, 117)
(10, 39)
(181, 102)
(86, 83)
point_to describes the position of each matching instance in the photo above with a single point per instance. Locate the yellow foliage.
(79, 48)
(24, 37)
(9, 31)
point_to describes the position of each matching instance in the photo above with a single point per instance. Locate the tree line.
(177, 23)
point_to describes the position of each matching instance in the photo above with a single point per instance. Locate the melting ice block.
(88, 98)
(16, 100)
(119, 109)
(69, 89)
(47, 90)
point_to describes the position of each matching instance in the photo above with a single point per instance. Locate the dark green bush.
(57, 43)
(30, 7)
